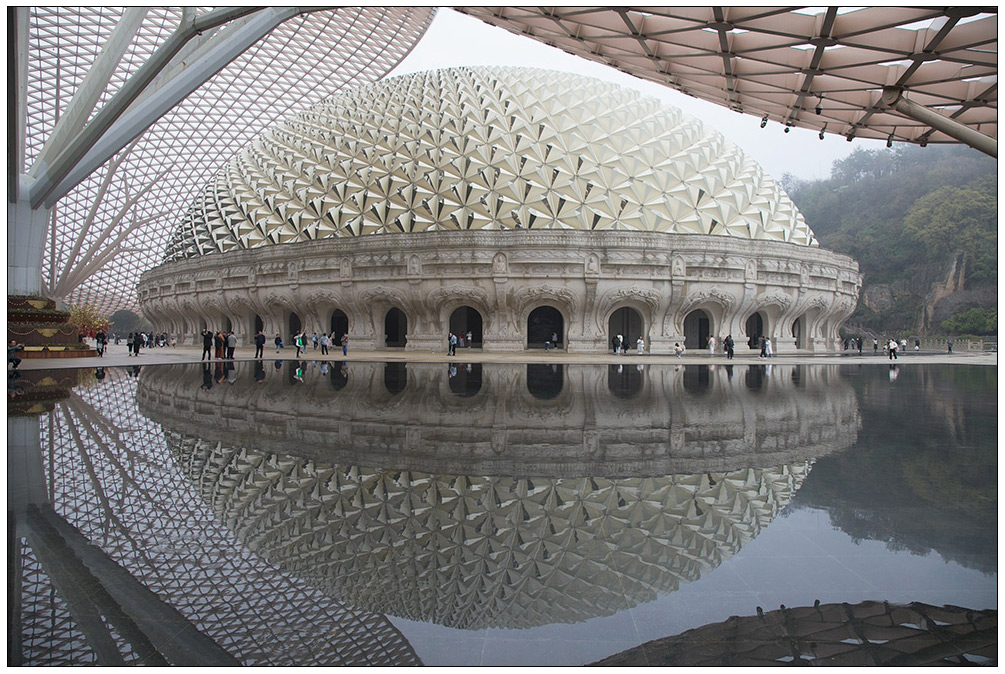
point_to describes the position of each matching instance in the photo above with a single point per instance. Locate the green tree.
(964, 219)
(975, 321)
(125, 321)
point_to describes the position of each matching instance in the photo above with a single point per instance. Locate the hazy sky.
(455, 39)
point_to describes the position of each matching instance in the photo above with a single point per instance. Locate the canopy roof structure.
(115, 221)
(822, 68)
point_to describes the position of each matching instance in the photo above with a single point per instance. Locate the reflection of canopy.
(476, 552)
(665, 425)
(866, 634)
(786, 63)
(124, 496)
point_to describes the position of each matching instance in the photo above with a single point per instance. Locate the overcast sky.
(455, 39)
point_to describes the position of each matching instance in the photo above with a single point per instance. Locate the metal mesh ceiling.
(785, 62)
(110, 228)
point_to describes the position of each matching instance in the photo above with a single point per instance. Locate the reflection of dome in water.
(476, 552)
(486, 148)
(594, 421)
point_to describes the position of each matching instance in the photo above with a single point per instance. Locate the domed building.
(522, 206)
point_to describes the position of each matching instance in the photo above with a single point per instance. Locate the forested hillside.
(923, 225)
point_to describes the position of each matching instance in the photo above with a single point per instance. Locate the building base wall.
(515, 290)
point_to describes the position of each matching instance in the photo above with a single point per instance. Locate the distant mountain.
(923, 225)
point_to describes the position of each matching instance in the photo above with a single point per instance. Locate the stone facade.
(672, 288)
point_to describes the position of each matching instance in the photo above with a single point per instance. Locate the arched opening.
(626, 322)
(545, 381)
(545, 324)
(754, 329)
(696, 379)
(464, 320)
(294, 325)
(624, 381)
(395, 328)
(395, 377)
(697, 328)
(340, 376)
(227, 325)
(259, 324)
(339, 324)
(465, 380)
(798, 334)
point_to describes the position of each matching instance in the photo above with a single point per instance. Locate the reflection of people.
(259, 372)
(99, 373)
(207, 377)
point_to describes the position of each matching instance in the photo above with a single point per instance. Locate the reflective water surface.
(387, 514)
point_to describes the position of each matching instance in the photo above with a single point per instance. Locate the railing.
(979, 344)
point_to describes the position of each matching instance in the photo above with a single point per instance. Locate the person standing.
(949, 345)
(129, 343)
(859, 346)
(875, 346)
(917, 345)
(678, 350)
(453, 344)
(892, 348)
(345, 343)
(730, 345)
(207, 345)
(469, 339)
(621, 344)
(137, 343)
(259, 345)
(279, 342)
(768, 352)
(231, 344)
(640, 345)
(711, 346)
(100, 339)
(315, 341)
(298, 341)
(324, 344)
(764, 348)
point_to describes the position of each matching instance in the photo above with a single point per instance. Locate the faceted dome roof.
(486, 148)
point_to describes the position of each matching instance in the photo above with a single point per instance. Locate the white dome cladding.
(486, 148)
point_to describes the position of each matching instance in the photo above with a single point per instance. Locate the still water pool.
(305, 513)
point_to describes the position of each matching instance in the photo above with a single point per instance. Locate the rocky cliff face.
(937, 294)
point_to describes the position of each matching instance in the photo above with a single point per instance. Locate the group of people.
(618, 344)
(453, 341)
(322, 341)
(218, 344)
